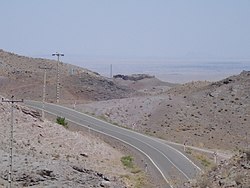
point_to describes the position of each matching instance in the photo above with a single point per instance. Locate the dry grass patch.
(137, 177)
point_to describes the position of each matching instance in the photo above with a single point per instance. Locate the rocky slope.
(143, 83)
(211, 115)
(197, 113)
(232, 173)
(21, 76)
(46, 154)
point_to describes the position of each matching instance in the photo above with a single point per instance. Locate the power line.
(12, 101)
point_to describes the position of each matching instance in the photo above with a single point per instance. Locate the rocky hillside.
(232, 173)
(143, 83)
(203, 114)
(22, 77)
(46, 154)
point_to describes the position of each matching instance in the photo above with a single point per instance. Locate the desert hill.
(203, 114)
(232, 173)
(46, 154)
(22, 77)
(143, 83)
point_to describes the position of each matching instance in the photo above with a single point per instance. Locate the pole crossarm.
(12, 101)
(45, 67)
(57, 54)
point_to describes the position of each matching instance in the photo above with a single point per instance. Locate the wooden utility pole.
(111, 71)
(12, 101)
(44, 86)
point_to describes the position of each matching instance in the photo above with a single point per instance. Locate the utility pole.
(184, 145)
(215, 157)
(12, 101)
(58, 74)
(111, 74)
(44, 87)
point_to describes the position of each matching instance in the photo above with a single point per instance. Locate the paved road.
(169, 161)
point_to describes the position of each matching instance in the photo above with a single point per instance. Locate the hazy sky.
(130, 29)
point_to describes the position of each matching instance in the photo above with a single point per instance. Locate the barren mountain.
(46, 154)
(211, 115)
(23, 77)
(203, 114)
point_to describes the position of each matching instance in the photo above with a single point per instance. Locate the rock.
(105, 184)
(134, 77)
(46, 173)
(83, 170)
(245, 166)
(28, 179)
(84, 155)
(33, 113)
(229, 183)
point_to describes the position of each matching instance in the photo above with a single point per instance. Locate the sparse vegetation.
(62, 121)
(139, 177)
(127, 161)
(102, 117)
(216, 113)
(189, 151)
(204, 160)
(231, 173)
(115, 123)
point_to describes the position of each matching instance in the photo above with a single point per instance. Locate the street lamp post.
(58, 74)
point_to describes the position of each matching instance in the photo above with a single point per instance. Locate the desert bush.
(115, 123)
(204, 161)
(189, 151)
(61, 121)
(127, 161)
(102, 117)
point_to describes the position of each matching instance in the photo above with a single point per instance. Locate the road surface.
(166, 159)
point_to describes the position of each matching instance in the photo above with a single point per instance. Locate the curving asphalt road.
(168, 161)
